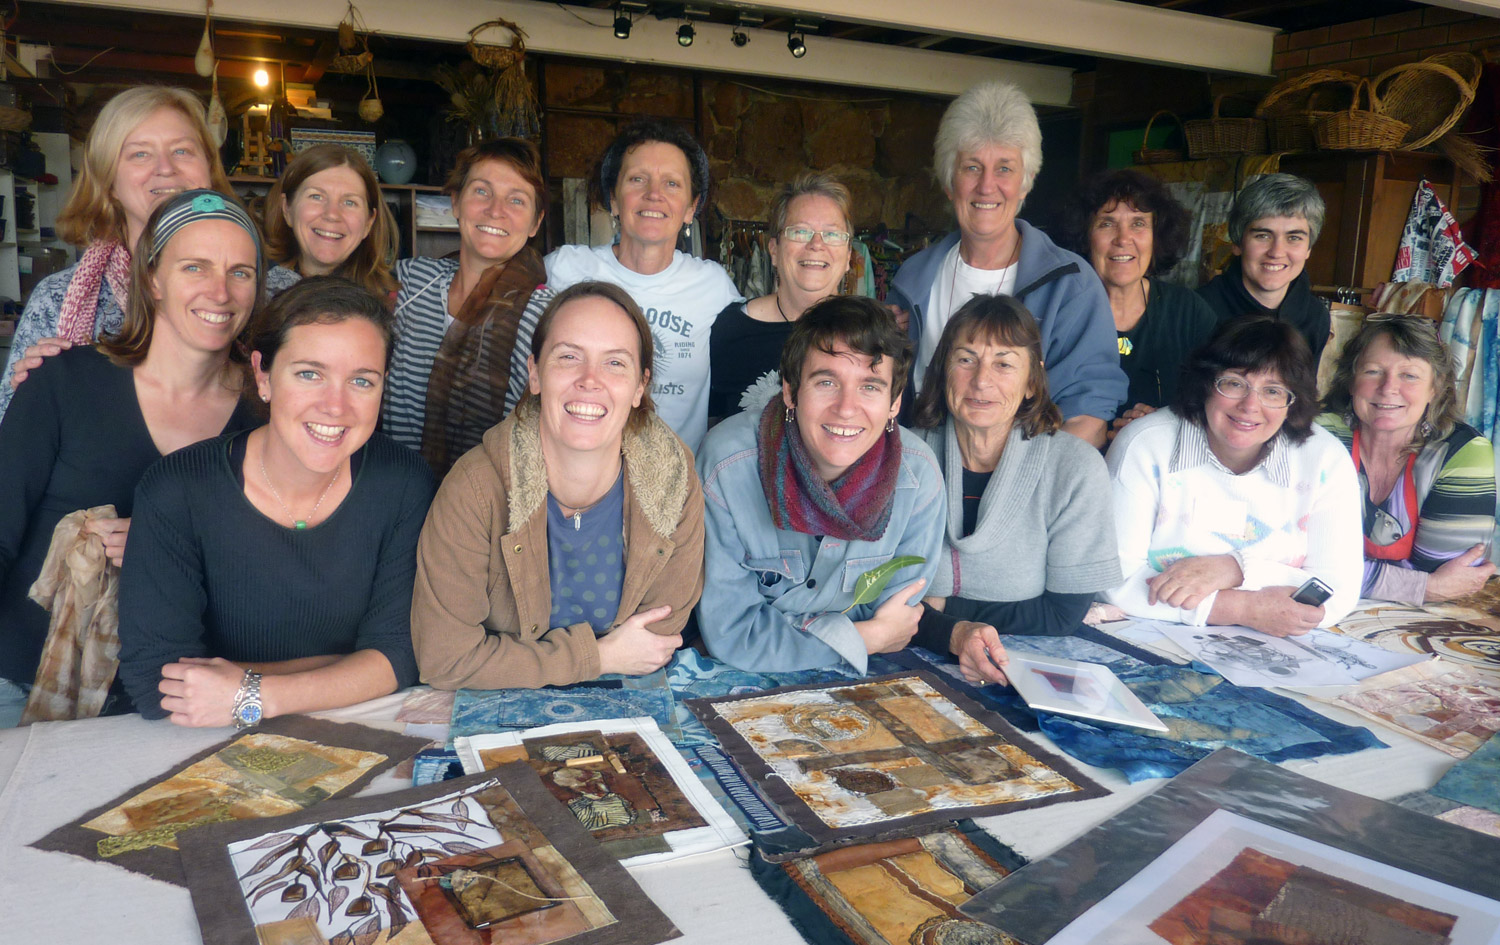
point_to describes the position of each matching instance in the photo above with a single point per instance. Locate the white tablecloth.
(53, 772)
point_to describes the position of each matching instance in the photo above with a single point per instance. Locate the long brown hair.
(370, 263)
(1000, 320)
(1413, 337)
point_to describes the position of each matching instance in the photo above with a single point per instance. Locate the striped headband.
(192, 206)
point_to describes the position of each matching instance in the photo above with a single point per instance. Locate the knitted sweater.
(206, 574)
(1294, 516)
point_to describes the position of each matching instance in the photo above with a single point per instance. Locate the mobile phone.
(1313, 593)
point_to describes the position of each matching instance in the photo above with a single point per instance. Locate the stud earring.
(265, 398)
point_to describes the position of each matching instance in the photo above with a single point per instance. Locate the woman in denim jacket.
(802, 498)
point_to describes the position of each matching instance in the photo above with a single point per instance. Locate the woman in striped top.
(1427, 478)
(463, 326)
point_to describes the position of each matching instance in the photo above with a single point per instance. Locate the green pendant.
(299, 525)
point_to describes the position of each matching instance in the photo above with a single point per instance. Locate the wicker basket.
(1292, 108)
(14, 119)
(1147, 155)
(1430, 96)
(1361, 129)
(495, 56)
(1217, 137)
(351, 64)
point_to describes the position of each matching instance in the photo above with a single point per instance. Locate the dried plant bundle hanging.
(491, 92)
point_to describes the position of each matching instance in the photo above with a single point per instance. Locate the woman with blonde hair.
(148, 144)
(325, 217)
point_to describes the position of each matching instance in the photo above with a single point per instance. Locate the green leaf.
(873, 581)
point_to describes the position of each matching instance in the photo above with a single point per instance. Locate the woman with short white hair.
(986, 156)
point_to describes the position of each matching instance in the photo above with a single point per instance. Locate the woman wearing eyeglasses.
(1427, 479)
(809, 249)
(1231, 500)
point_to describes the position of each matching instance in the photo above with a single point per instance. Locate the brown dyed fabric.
(471, 373)
(80, 588)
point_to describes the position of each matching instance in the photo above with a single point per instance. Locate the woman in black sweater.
(89, 421)
(271, 572)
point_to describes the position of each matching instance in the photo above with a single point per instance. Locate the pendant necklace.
(577, 514)
(777, 297)
(298, 523)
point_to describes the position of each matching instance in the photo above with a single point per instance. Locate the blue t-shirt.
(586, 561)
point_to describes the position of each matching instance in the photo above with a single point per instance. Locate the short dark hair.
(999, 319)
(642, 132)
(611, 293)
(862, 324)
(1413, 337)
(1170, 221)
(1250, 344)
(319, 300)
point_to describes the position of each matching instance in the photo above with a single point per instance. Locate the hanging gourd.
(354, 45)
(203, 62)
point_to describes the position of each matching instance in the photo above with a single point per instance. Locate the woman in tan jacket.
(569, 543)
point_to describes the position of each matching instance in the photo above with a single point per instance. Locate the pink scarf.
(104, 260)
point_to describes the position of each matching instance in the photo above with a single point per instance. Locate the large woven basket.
(1430, 96)
(1149, 155)
(1217, 137)
(1292, 108)
(493, 55)
(1361, 129)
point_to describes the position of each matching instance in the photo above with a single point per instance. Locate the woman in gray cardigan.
(1030, 536)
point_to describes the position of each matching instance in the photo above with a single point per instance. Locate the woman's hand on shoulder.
(32, 357)
(1460, 577)
(1186, 582)
(632, 649)
(1125, 419)
(113, 532)
(200, 692)
(1272, 610)
(981, 655)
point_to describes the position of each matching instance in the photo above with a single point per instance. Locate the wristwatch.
(247, 710)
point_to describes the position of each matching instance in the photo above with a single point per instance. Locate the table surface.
(53, 772)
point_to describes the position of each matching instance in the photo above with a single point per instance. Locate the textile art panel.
(1450, 708)
(426, 706)
(899, 891)
(1258, 897)
(1474, 781)
(477, 711)
(847, 761)
(736, 795)
(695, 676)
(624, 782)
(1465, 631)
(286, 765)
(479, 860)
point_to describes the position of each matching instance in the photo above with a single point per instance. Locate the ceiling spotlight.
(624, 10)
(685, 34)
(796, 45)
(262, 78)
(622, 26)
(738, 38)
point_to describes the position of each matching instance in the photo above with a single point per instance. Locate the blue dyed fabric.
(478, 711)
(1204, 713)
(435, 764)
(732, 789)
(1474, 781)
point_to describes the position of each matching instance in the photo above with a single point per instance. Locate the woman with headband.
(81, 432)
(271, 571)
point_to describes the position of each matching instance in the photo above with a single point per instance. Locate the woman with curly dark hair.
(1132, 230)
(1230, 500)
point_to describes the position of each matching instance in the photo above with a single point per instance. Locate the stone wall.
(757, 138)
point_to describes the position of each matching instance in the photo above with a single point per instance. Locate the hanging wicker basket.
(1431, 96)
(351, 64)
(1217, 137)
(1360, 129)
(494, 55)
(1150, 155)
(1292, 108)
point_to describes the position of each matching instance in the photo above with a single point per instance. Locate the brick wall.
(1371, 46)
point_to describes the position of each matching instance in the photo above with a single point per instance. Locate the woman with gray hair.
(1273, 225)
(986, 157)
(809, 250)
(1427, 479)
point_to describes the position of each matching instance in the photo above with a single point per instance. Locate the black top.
(1227, 296)
(974, 486)
(73, 438)
(208, 575)
(1176, 322)
(740, 351)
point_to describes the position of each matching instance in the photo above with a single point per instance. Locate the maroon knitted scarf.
(854, 507)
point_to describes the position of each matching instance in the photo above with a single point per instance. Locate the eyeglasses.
(1272, 396)
(802, 234)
